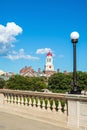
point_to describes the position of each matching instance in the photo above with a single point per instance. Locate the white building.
(49, 67)
(49, 62)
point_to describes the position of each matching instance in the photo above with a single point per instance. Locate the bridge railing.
(68, 110)
(52, 101)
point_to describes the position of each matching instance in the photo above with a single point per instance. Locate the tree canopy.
(58, 82)
(2, 83)
(26, 83)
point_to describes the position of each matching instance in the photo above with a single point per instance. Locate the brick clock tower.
(49, 68)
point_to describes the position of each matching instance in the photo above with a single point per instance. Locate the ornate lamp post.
(74, 39)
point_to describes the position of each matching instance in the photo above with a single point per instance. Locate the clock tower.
(49, 62)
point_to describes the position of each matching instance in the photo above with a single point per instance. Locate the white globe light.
(74, 35)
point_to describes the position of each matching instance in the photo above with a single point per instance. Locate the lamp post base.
(75, 90)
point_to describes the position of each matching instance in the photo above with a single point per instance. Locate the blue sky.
(29, 28)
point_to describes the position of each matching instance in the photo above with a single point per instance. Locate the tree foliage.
(26, 83)
(2, 83)
(59, 81)
(82, 80)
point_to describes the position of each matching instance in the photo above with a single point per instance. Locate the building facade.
(48, 70)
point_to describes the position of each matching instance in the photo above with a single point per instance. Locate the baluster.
(36, 101)
(22, 102)
(46, 103)
(32, 101)
(65, 108)
(56, 104)
(53, 104)
(8, 98)
(41, 102)
(25, 100)
(5, 101)
(59, 108)
(14, 99)
(28, 101)
(18, 100)
(48, 106)
(62, 105)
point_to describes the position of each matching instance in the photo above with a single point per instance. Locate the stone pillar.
(73, 113)
(1, 99)
(77, 111)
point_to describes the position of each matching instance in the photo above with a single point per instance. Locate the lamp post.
(74, 39)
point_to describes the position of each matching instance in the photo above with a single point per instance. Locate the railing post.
(1, 99)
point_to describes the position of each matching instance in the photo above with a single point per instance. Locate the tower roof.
(49, 54)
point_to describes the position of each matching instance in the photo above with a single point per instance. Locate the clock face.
(50, 66)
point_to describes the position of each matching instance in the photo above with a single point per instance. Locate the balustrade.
(72, 114)
(50, 101)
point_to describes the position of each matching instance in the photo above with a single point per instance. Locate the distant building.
(6, 75)
(49, 67)
(49, 62)
(27, 71)
(48, 70)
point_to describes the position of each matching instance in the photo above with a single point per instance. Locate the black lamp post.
(74, 39)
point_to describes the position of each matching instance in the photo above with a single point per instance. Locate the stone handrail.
(45, 100)
(67, 109)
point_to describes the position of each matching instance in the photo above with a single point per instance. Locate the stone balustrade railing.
(68, 109)
(52, 101)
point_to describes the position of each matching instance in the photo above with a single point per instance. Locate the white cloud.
(8, 32)
(61, 56)
(20, 55)
(43, 51)
(7, 36)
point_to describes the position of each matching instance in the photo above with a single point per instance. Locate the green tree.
(26, 83)
(82, 80)
(2, 83)
(60, 82)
